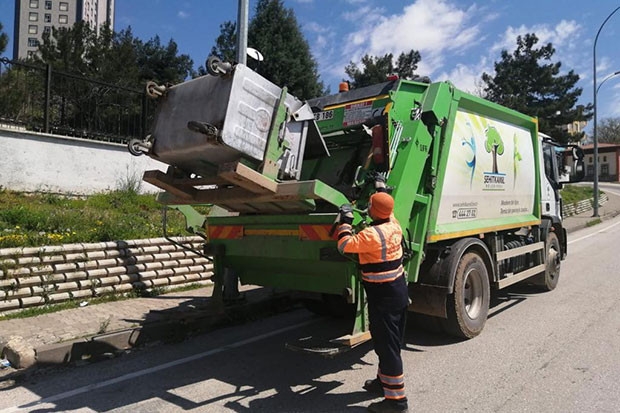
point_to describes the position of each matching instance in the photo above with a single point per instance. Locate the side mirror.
(572, 167)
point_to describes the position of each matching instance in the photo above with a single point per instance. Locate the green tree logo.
(494, 145)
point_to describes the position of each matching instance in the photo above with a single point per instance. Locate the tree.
(163, 64)
(523, 83)
(274, 31)
(608, 131)
(377, 69)
(226, 43)
(4, 39)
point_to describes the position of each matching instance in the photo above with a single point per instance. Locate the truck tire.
(468, 306)
(549, 280)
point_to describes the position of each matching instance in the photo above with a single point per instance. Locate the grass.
(573, 193)
(32, 220)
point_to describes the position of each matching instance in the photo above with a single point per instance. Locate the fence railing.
(43, 99)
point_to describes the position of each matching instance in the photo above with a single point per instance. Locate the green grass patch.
(32, 220)
(573, 193)
(593, 222)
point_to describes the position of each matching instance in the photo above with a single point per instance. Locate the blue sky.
(458, 39)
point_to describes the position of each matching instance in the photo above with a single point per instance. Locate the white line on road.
(133, 375)
(593, 234)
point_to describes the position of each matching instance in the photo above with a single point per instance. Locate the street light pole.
(594, 91)
(606, 79)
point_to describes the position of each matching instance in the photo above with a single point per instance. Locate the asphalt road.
(539, 352)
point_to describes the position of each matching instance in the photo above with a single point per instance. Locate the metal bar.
(520, 276)
(502, 255)
(48, 92)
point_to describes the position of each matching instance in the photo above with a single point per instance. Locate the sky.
(457, 39)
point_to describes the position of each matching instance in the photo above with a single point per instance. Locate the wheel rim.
(472, 293)
(553, 261)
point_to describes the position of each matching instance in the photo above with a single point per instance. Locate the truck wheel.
(552, 270)
(468, 305)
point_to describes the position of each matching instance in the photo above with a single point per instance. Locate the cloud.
(433, 27)
(183, 15)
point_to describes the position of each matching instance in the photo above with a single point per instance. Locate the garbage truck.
(476, 189)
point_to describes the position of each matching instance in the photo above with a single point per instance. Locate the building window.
(604, 159)
(30, 54)
(34, 4)
(47, 18)
(591, 159)
(48, 4)
(32, 29)
(33, 17)
(33, 42)
(590, 170)
(47, 29)
(63, 19)
(604, 169)
(64, 6)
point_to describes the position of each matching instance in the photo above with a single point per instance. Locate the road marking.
(133, 375)
(593, 234)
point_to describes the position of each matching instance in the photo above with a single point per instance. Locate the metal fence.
(42, 99)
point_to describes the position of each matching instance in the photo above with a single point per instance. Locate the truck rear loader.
(476, 189)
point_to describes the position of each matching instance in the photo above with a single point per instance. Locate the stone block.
(128, 278)
(8, 305)
(109, 262)
(177, 279)
(76, 276)
(95, 255)
(178, 255)
(181, 270)
(108, 281)
(192, 277)
(97, 273)
(67, 267)
(41, 269)
(68, 286)
(76, 257)
(81, 294)
(153, 265)
(53, 259)
(159, 282)
(123, 288)
(28, 260)
(18, 272)
(167, 248)
(19, 293)
(19, 353)
(116, 270)
(86, 265)
(8, 282)
(186, 262)
(104, 290)
(162, 256)
(59, 297)
(169, 264)
(28, 281)
(164, 273)
(31, 301)
(147, 275)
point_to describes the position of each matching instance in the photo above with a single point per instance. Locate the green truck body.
(467, 177)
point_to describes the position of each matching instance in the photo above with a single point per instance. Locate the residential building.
(33, 18)
(608, 162)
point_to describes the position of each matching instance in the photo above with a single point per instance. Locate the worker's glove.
(345, 214)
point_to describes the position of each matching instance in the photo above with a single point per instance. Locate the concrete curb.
(180, 325)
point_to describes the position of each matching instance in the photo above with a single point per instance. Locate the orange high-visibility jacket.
(379, 249)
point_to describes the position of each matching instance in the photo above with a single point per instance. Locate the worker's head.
(381, 205)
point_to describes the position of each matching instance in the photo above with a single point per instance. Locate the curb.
(181, 325)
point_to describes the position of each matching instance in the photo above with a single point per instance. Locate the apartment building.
(33, 18)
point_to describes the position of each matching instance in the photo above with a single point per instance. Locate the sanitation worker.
(380, 256)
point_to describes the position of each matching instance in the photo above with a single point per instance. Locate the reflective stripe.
(383, 244)
(383, 276)
(396, 380)
(394, 394)
(342, 246)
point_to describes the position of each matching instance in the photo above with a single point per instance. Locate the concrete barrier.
(582, 206)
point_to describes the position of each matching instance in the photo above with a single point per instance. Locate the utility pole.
(242, 31)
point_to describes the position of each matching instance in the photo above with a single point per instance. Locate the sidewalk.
(103, 330)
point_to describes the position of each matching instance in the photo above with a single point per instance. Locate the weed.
(593, 222)
(103, 326)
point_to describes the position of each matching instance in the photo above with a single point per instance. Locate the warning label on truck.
(356, 113)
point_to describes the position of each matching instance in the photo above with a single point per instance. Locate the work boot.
(389, 406)
(374, 387)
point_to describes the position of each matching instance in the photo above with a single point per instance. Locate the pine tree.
(4, 39)
(523, 83)
(377, 69)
